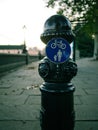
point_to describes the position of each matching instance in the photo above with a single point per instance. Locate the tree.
(84, 12)
(85, 44)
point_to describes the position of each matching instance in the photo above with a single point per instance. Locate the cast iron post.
(57, 70)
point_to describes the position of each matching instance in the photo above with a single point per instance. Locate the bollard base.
(57, 106)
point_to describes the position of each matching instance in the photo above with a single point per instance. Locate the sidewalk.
(20, 97)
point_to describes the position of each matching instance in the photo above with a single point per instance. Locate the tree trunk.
(96, 47)
(96, 32)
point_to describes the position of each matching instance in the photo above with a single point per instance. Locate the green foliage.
(85, 44)
(77, 10)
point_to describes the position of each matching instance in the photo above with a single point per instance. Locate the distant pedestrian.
(39, 55)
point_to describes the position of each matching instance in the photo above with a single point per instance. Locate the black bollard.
(57, 70)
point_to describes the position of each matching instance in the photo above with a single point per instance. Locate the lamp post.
(24, 47)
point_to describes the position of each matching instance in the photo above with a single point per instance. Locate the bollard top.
(57, 26)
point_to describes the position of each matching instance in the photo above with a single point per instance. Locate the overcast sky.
(14, 14)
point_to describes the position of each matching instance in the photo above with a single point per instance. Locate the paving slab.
(23, 112)
(90, 100)
(20, 125)
(86, 125)
(86, 112)
(91, 91)
(13, 100)
(32, 100)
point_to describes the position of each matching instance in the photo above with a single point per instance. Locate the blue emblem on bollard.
(58, 50)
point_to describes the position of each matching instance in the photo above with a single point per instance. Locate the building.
(11, 49)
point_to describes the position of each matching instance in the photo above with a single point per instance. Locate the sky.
(14, 14)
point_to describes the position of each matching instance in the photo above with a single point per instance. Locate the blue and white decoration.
(58, 50)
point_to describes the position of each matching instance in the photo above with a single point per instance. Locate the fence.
(10, 61)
